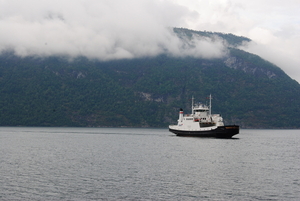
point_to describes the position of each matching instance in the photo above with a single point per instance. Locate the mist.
(107, 30)
(272, 25)
(279, 49)
(104, 30)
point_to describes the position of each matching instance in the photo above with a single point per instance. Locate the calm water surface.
(147, 164)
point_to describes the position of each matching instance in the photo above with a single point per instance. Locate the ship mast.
(192, 105)
(210, 105)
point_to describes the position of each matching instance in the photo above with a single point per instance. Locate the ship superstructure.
(201, 123)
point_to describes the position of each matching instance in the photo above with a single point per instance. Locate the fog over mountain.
(102, 30)
(116, 29)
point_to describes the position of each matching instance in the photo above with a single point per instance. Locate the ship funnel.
(180, 115)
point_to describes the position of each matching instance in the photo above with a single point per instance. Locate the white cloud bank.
(97, 29)
(282, 51)
(273, 25)
(126, 29)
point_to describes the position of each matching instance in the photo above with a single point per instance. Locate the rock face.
(239, 64)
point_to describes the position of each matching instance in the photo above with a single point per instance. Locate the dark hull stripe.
(220, 132)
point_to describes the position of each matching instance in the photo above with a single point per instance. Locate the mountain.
(146, 92)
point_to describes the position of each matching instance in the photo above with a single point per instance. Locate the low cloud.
(117, 29)
(104, 30)
(277, 48)
(274, 27)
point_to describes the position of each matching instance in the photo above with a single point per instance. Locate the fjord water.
(147, 164)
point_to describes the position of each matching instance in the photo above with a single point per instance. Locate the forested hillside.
(146, 92)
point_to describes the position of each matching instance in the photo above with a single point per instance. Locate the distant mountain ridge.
(148, 91)
(231, 40)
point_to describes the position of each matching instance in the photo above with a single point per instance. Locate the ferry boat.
(201, 123)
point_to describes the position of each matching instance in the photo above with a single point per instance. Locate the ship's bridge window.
(189, 118)
(200, 110)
